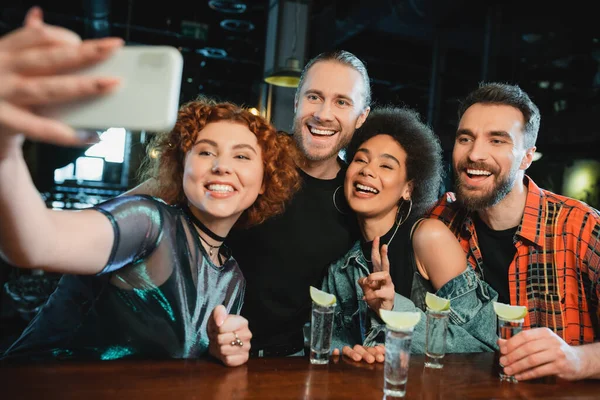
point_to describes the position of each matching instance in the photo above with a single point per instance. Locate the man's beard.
(502, 186)
(306, 150)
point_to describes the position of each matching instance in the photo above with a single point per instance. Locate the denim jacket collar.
(355, 253)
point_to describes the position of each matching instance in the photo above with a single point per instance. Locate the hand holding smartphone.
(147, 98)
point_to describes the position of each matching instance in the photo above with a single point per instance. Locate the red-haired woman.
(143, 277)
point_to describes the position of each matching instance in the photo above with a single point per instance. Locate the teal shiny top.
(153, 299)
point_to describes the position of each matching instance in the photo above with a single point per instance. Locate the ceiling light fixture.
(237, 25)
(228, 6)
(212, 52)
(288, 75)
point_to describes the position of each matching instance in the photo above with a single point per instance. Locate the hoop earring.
(335, 202)
(404, 217)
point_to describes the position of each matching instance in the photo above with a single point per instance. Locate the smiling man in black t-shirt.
(282, 257)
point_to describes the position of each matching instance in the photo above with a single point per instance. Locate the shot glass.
(397, 358)
(321, 328)
(435, 338)
(506, 330)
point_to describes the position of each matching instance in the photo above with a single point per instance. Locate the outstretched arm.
(31, 60)
(33, 236)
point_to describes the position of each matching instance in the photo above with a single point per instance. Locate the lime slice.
(436, 303)
(398, 320)
(508, 312)
(321, 298)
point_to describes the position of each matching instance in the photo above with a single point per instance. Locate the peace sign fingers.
(379, 257)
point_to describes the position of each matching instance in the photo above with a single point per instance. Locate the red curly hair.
(281, 179)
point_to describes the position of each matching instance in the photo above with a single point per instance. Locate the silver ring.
(237, 341)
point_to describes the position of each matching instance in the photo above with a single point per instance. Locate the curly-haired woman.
(393, 177)
(145, 277)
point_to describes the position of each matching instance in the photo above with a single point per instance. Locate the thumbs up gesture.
(229, 337)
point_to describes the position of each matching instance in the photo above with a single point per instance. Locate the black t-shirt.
(497, 250)
(286, 254)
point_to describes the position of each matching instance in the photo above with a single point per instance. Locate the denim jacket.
(472, 320)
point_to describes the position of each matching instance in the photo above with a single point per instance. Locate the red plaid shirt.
(556, 270)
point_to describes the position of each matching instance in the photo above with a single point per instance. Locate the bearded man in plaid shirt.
(536, 248)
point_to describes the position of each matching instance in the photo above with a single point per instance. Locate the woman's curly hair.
(164, 171)
(423, 151)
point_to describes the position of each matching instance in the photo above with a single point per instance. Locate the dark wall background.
(423, 53)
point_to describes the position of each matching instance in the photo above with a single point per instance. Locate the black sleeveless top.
(403, 266)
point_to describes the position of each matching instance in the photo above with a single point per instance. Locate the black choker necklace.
(203, 227)
(211, 247)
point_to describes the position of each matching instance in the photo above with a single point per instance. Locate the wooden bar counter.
(464, 376)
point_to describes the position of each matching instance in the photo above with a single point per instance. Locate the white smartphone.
(147, 98)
